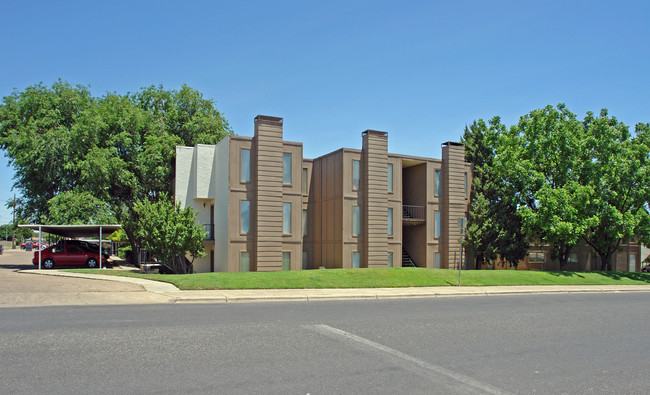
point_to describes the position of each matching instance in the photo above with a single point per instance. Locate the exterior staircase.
(406, 260)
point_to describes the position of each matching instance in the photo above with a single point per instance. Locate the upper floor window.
(286, 168)
(390, 177)
(286, 218)
(245, 165)
(466, 186)
(355, 174)
(437, 183)
(304, 222)
(304, 181)
(390, 221)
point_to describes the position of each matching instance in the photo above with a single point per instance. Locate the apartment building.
(265, 207)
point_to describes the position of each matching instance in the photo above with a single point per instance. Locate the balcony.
(209, 230)
(413, 215)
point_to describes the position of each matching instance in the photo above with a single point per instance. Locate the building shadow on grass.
(643, 277)
(565, 273)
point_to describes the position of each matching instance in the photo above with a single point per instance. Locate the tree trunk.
(564, 258)
(477, 263)
(604, 262)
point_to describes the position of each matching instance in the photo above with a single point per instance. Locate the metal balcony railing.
(209, 230)
(413, 213)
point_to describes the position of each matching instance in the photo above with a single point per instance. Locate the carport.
(73, 232)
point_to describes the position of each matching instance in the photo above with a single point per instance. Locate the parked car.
(646, 268)
(67, 255)
(91, 247)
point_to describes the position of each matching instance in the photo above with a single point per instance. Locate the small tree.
(170, 233)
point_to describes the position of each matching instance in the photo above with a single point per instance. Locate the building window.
(390, 177)
(304, 222)
(244, 262)
(390, 221)
(356, 260)
(535, 257)
(286, 261)
(573, 257)
(390, 259)
(436, 260)
(631, 262)
(466, 189)
(245, 219)
(286, 218)
(356, 221)
(286, 168)
(437, 224)
(437, 183)
(245, 165)
(305, 264)
(304, 181)
(355, 174)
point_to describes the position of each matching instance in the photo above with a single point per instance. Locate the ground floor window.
(631, 261)
(286, 261)
(244, 262)
(304, 260)
(436, 260)
(390, 259)
(356, 260)
(535, 257)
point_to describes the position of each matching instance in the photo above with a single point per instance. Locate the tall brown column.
(268, 173)
(375, 199)
(453, 203)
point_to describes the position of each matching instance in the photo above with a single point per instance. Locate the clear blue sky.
(420, 70)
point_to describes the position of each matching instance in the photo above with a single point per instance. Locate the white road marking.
(339, 334)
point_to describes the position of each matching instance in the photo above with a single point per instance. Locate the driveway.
(24, 289)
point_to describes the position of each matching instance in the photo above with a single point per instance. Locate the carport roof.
(74, 231)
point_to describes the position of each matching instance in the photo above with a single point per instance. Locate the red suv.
(67, 255)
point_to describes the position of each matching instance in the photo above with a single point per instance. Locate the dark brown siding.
(268, 151)
(374, 181)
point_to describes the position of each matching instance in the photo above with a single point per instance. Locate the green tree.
(119, 149)
(493, 228)
(36, 130)
(616, 174)
(170, 233)
(78, 208)
(544, 163)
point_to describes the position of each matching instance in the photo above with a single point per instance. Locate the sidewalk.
(172, 294)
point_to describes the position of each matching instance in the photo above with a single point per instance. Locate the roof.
(74, 231)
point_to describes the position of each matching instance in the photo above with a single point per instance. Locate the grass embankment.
(384, 277)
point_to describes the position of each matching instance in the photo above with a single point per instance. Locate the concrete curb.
(174, 295)
(148, 285)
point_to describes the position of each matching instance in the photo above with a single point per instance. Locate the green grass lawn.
(384, 277)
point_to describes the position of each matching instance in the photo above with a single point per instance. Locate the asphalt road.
(573, 344)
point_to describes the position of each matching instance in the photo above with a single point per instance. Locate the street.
(574, 344)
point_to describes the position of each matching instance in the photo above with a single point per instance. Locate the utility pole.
(13, 235)
(461, 224)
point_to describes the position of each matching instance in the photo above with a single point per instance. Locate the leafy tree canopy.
(564, 180)
(68, 147)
